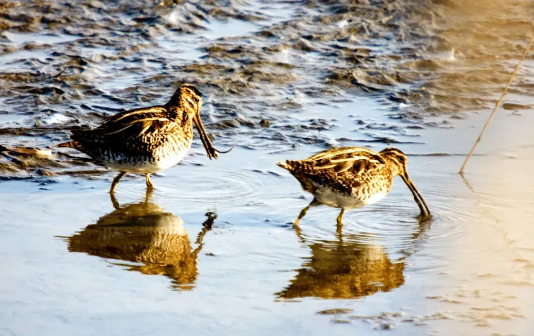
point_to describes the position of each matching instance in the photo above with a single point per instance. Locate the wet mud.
(67, 64)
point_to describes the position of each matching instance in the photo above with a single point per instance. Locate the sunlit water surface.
(469, 269)
(213, 250)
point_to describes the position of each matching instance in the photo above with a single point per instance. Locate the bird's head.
(189, 100)
(397, 162)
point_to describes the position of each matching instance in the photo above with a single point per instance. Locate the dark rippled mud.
(65, 64)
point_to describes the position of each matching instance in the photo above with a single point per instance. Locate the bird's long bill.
(425, 211)
(212, 153)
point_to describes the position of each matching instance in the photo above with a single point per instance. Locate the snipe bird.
(352, 177)
(146, 140)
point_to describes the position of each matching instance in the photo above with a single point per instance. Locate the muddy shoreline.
(66, 64)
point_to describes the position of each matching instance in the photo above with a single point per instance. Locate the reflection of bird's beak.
(212, 153)
(425, 211)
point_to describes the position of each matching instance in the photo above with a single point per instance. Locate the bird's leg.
(303, 213)
(340, 221)
(149, 183)
(116, 181)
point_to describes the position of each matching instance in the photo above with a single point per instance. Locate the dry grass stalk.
(498, 103)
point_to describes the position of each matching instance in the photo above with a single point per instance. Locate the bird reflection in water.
(144, 233)
(348, 267)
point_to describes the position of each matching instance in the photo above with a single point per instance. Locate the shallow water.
(213, 251)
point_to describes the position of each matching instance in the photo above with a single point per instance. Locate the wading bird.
(146, 140)
(352, 177)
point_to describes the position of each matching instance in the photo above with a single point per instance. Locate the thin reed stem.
(498, 103)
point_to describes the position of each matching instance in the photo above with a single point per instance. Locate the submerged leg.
(116, 181)
(148, 194)
(303, 212)
(114, 201)
(149, 183)
(340, 217)
(301, 215)
(340, 221)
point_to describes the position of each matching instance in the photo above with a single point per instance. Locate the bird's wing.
(135, 123)
(133, 130)
(346, 153)
(340, 168)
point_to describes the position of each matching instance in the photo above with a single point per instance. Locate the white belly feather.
(335, 199)
(143, 167)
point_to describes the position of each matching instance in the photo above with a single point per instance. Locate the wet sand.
(74, 262)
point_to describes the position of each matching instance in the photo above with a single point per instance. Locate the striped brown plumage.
(351, 177)
(146, 140)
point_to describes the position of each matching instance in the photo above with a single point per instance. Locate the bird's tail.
(284, 165)
(290, 165)
(297, 167)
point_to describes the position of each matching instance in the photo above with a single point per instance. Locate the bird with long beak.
(352, 177)
(146, 140)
